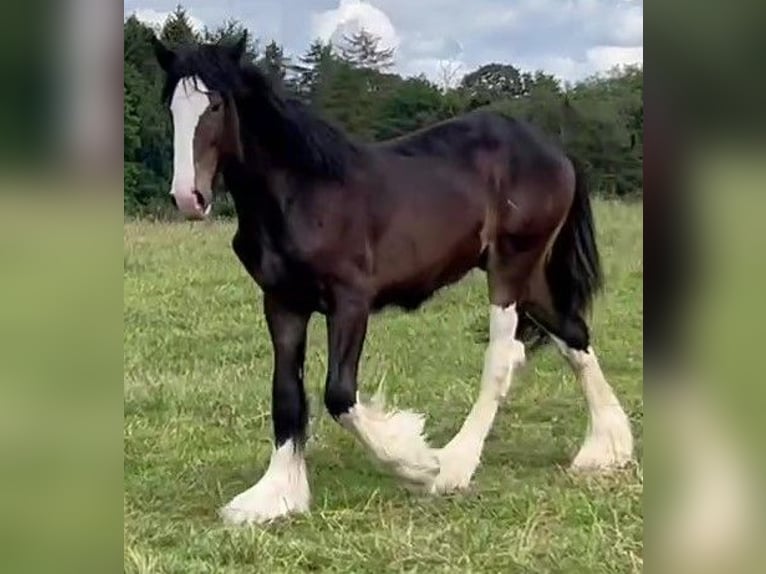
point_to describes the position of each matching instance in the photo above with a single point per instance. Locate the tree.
(542, 105)
(608, 122)
(540, 81)
(599, 120)
(348, 89)
(178, 30)
(492, 82)
(412, 104)
(342, 94)
(308, 70)
(147, 133)
(274, 63)
(131, 138)
(231, 32)
(362, 50)
(131, 121)
(137, 47)
(448, 74)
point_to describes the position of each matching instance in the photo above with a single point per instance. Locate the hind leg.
(608, 441)
(459, 459)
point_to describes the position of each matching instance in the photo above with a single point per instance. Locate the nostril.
(173, 199)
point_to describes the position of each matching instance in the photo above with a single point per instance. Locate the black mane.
(292, 135)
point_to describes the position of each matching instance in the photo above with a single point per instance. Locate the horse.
(333, 226)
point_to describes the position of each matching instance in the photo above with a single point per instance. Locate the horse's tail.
(573, 271)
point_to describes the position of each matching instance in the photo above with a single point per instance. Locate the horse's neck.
(262, 242)
(258, 209)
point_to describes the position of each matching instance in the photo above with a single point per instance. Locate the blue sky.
(569, 38)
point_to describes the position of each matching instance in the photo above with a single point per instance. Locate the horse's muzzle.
(193, 204)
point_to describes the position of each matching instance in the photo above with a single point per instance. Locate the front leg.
(284, 488)
(394, 438)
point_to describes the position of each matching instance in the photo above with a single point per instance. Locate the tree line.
(599, 120)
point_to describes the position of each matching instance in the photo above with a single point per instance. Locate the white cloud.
(572, 39)
(628, 30)
(420, 46)
(351, 16)
(598, 59)
(495, 19)
(441, 71)
(604, 58)
(157, 18)
(564, 67)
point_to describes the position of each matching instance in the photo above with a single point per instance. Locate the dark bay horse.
(335, 227)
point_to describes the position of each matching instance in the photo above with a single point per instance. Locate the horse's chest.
(275, 271)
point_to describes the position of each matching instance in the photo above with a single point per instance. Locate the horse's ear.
(237, 50)
(165, 56)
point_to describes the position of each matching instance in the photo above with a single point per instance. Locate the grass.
(197, 372)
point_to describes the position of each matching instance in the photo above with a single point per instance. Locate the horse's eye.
(215, 107)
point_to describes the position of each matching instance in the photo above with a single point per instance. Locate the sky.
(571, 39)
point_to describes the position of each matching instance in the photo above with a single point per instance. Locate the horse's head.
(198, 91)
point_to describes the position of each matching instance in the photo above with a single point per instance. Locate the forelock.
(210, 63)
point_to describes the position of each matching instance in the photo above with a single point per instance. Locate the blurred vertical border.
(705, 279)
(60, 286)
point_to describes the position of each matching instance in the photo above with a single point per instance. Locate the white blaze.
(187, 105)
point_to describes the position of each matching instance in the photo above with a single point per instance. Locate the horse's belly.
(416, 278)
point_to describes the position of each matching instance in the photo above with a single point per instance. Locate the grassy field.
(198, 429)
